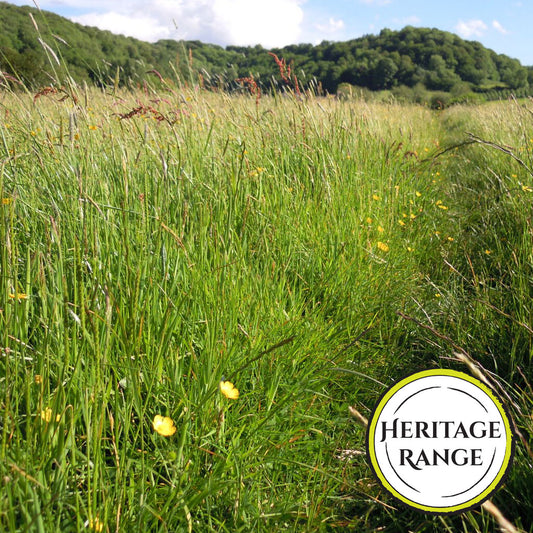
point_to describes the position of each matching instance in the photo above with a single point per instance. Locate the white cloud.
(498, 27)
(471, 28)
(82, 5)
(333, 26)
(240, 22)
(269, 22)
(144, 28)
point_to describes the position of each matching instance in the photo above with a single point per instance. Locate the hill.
(38, 46)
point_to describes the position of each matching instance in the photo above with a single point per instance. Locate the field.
(310, 251)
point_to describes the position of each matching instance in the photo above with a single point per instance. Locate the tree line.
(39, 49)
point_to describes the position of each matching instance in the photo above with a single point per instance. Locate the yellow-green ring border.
(474, 502)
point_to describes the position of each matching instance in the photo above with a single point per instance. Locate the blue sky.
(504, 26)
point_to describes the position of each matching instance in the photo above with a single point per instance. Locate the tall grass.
(156, 243)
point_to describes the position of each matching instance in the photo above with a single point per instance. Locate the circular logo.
(440, 441)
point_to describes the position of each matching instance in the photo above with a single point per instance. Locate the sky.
(503, 26)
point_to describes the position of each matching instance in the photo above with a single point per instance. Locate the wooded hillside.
(408, 62)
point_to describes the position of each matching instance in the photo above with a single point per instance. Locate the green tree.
(384, 73)
(440, 76)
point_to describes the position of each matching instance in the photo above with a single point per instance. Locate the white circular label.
(440, 441)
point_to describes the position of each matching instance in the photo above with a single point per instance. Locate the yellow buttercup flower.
(164, 425)
(229, 390)
(383, 247)
(96, 525)
(19, 296)
(46, 415)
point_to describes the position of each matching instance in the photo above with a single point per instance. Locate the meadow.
(309, 251)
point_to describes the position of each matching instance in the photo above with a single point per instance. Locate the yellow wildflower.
(38, 379)
(19, 296)
(383, 247)
(401, 222)
(96, 525)
(368, 220)
(7, 201)
(381, 229)
(375, 197)
(46, 415)
(418, 194)
(164, 425)
(229, 390)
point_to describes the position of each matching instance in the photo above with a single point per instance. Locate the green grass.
(204, 237)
